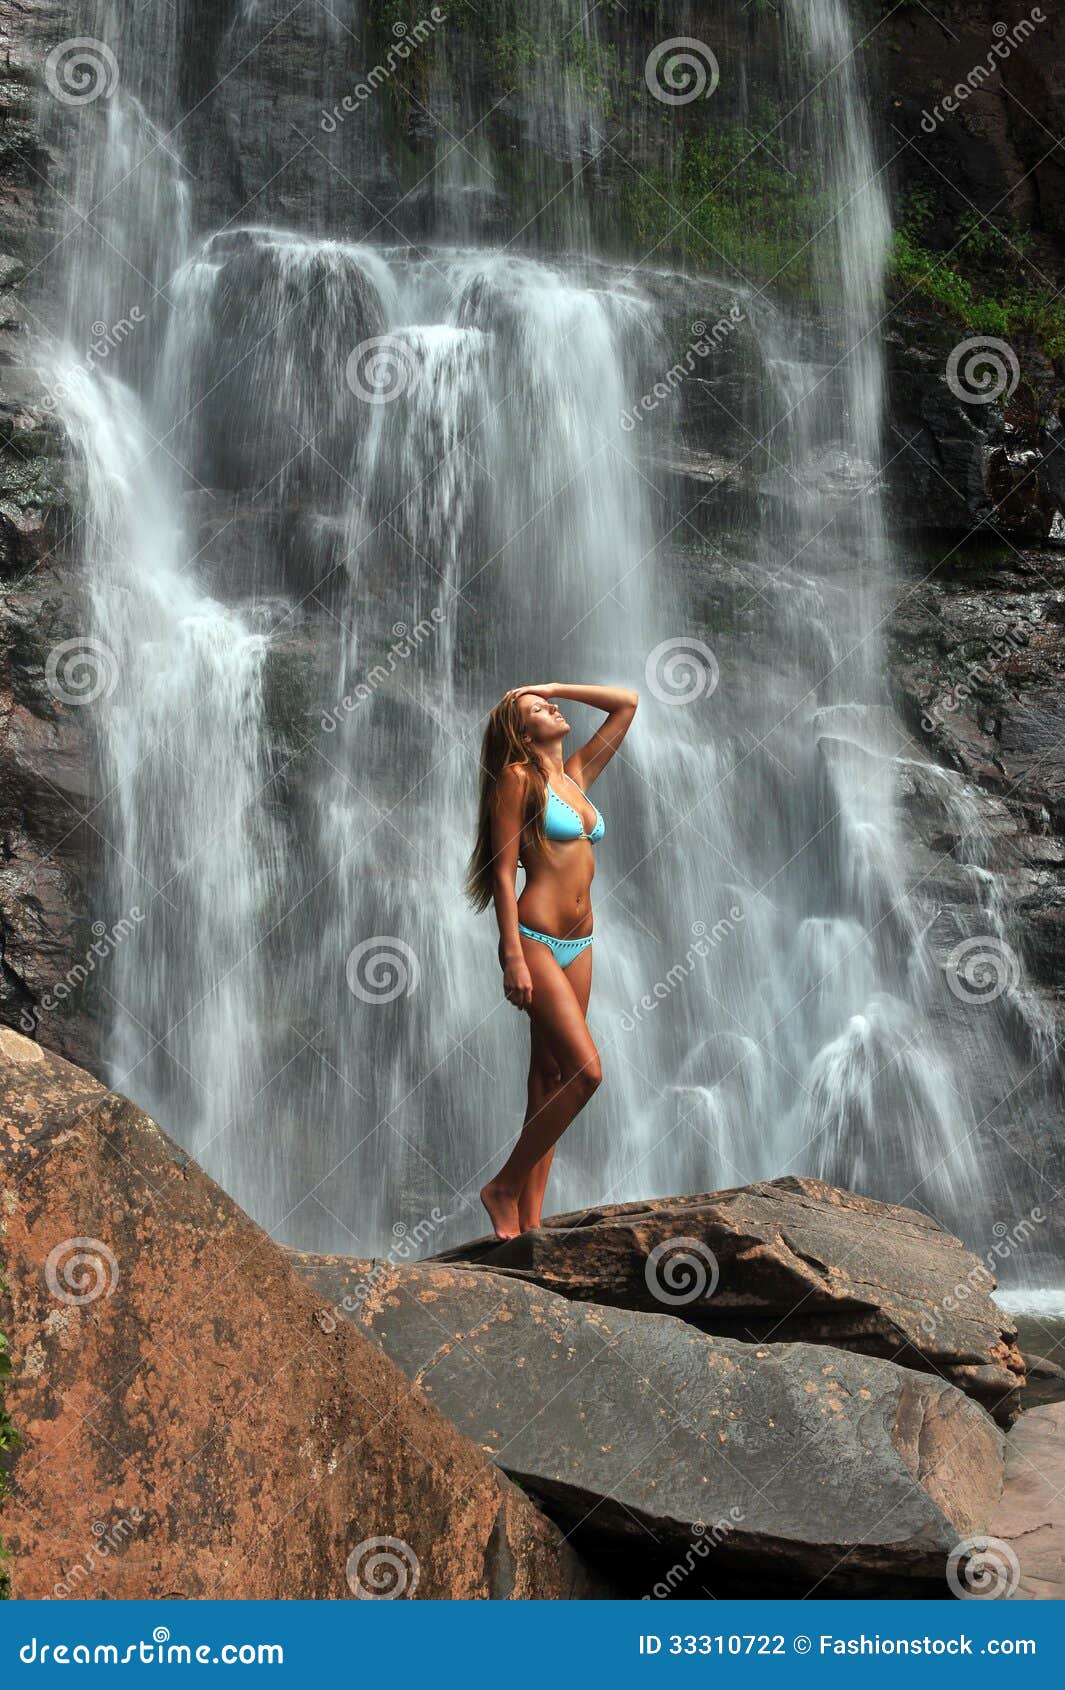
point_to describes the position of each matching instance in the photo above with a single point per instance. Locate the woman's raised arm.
(619, 703)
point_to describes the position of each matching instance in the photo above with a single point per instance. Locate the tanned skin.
(564, 1067)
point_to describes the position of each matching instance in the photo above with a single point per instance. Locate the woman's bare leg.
(545, 1077)
(531, 1197)
(558, 1018)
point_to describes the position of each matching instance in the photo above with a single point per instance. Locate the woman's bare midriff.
(556, 897)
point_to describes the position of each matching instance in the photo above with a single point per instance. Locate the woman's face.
(542, 720)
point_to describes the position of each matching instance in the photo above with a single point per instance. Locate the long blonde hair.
(504, 744)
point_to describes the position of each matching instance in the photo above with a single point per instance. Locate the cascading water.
(180, 720)
(183, 764)
(422, 453)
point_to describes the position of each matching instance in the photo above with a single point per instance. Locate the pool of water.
(1040, 1317)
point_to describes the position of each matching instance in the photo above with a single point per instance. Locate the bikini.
(561, 824)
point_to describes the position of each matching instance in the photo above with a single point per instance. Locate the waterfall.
(339, 495)
(188, 844)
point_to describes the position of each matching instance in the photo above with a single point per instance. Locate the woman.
(534, 810)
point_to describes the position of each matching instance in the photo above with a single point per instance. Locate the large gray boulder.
(784, 1259)
(656, 1444)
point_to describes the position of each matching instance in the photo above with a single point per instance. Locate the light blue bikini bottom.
(564, 951)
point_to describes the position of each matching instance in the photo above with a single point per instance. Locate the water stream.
(337, 497)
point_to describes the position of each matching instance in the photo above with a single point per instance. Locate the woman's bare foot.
(502, 1209)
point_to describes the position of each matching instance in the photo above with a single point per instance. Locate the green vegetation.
(985, 278)
(8, 1441)
(729, 198)
(507, 44)
(730, 204)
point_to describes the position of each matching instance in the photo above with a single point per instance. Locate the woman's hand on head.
(545, 689)
(517, 983)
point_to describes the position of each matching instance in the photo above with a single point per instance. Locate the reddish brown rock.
(188, 1428)
(786, 1259)
(1026, 1551)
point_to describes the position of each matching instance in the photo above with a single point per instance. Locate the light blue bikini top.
(561, 821)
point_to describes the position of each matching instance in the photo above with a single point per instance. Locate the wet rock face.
(28, 439)
(976, 655)
(49, 849)
(651, 1440)
(977, 661)
(47, 852)
(188, 1426)
(786, 1259)
(960, 462)
(979, 664)
(960, 459)
(993, 152)
(973, 435)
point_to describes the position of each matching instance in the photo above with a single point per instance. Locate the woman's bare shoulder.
(513, 781)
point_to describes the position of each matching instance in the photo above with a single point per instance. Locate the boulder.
(1025, 1555)
(188, 1429)
(647, 1438)
(784, 1259)
(1045, 1382)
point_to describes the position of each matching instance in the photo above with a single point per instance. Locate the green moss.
(984, 279)
(730, 198)
(728, 204)
(507, 48)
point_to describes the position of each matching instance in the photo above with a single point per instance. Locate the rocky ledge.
(708, 1393)
(202, 1412)
(752, 1468)
(187, 1426)
(788, 1259)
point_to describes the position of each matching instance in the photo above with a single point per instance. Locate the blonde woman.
(535, 812)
